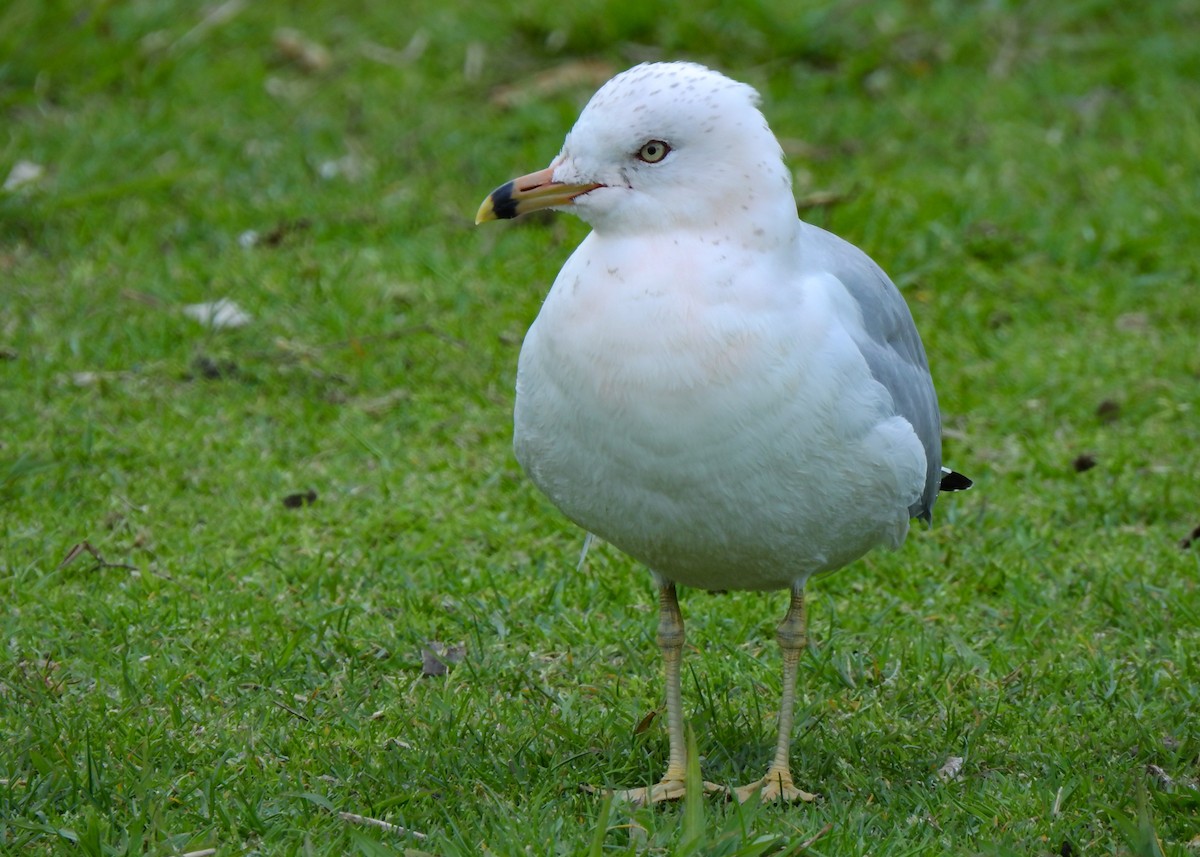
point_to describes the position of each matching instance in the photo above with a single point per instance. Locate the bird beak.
(529, 193)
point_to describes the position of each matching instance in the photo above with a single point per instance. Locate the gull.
(734, 397)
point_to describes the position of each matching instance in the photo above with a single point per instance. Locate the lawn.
(271, 581)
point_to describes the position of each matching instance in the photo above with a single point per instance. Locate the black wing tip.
(952, 480)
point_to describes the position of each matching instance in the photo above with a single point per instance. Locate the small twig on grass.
(380, 823)
(398, 59)
(291, 710)
(806, 844)
(85, 547)
(162, 575)
(212, 19)
(142, 298)
(823, 199)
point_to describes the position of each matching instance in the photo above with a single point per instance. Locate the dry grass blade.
(570, 75)
(367, 821)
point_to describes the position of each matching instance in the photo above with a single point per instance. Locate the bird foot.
(664, 790)
(775, 786)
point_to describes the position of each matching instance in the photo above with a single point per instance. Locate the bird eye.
(653, 152)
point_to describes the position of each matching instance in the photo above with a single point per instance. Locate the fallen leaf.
(437, 658)
(350, 167)
(23, 173)
(1164, 780)
(301, 51)
(950, 769)
(1084, 462)
(219, 314)
(645, 722)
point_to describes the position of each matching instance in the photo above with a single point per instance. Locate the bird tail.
(952, 480)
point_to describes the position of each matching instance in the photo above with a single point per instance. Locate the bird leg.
(670, 641)
(792, 637)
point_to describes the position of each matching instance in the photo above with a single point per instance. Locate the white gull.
(736, 398)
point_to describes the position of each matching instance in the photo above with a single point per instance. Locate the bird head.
(660, 146)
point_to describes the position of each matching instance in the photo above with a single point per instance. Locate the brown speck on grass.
(1084, 462)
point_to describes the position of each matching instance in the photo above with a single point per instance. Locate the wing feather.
(891, 345)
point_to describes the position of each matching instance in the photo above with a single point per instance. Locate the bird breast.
(670, 402)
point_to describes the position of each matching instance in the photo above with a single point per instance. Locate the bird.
(734, 397)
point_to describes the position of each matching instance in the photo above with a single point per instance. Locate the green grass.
(238, 673)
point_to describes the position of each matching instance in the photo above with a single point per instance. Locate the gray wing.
(892, 347)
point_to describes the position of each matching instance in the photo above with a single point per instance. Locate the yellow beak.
(529, 193)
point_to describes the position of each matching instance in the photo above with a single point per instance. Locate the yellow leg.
(670, 641)
(777, 784)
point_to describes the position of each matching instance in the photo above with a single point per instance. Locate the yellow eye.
(653, 152)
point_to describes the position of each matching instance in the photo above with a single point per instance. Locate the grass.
(232, 673)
